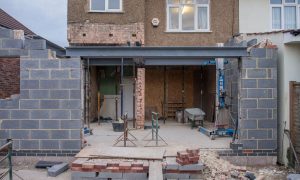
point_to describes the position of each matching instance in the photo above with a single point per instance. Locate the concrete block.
(257, 73)
(73, 63)
(249, 124)
(49, 64)
(76, 114)
(29, 124)
(4, 134)
(267, 83)
(18, 52)
(75, 94)
(4, 114)
(249, 83)
(267, 63)
(176, 176)
(59, 134)
(49, 104)
(40, 114)
(70, 144)
(39, 74)
(258, 52)
(50, 124)
(248, 63)
(70, 104)
(29, 84)
(71, 124)
(75, 73)
(60, 74)
(9, 104)
(257, 113)
(267, 124)
(19, 114)
(57, 169)
(24, 74)
(29, 64)
(10, 124)
(293, 177)
(29, 144)
(3, 52)
(41, 54)
(267, 144)
(6, 33)
(257, 134)
(49, 144)
(70, 84)
(39, 94)
(192, 167)
(171, 164)
(20, 134)
(77, 174)
(258, 93)
(49, 84)
(75, 134)
(60, 114)
(135, 176)
(12, 43)
(248, 103)
(110, 175)
(24, 94)
(29, 104)
(267, 103)
(59, 94)
(37, 44)
(40, 134)
(249, 144)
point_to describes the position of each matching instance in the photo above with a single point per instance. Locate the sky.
(47, 18)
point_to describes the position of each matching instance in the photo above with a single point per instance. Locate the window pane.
(276, 18)
(174, 18)
(98, 5)
(204, 1)
(187, 1)
(202, 18)
(188, 17)
(114, 4)
(290, 17)
(173, 1)
(290, 1)
(276, 1)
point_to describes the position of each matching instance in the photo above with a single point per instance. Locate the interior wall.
(209, 92)
(93, 93)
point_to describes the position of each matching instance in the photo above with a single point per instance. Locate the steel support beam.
(156, 52)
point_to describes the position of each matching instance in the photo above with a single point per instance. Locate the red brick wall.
(9, 77)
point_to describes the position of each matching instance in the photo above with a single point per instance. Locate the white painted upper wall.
(254, 16)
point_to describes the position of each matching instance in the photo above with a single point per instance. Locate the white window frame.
(281, 6)
(106, 7)
(180, 6)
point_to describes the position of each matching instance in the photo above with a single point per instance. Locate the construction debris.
(190, 156)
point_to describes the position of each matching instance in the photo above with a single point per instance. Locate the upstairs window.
(285, 14)
(188, 15)
(106, 5)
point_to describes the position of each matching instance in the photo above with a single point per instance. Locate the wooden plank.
(155, 170)
(122, 152)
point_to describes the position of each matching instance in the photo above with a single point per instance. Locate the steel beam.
(156, 52)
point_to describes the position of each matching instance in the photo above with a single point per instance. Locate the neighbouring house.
(139, 56)
(279, 22)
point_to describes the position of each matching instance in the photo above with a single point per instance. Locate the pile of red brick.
(190, 156)
(108, 165)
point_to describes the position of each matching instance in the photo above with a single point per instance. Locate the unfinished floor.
(177, 135)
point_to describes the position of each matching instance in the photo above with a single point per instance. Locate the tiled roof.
(9, 22)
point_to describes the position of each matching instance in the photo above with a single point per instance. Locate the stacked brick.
(140, 98)
(190, 156)
(110, 165)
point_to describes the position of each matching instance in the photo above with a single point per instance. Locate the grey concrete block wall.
(258, 100)
(46, 117)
